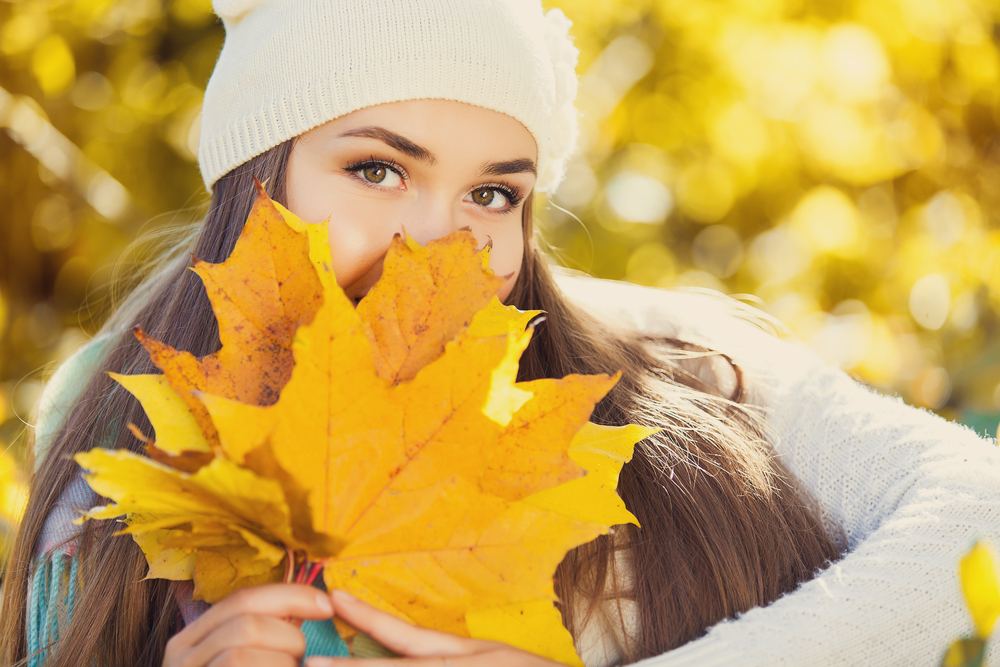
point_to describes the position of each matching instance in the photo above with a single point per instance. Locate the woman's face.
(429, 166)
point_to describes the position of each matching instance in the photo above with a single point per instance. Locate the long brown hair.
(724, 528)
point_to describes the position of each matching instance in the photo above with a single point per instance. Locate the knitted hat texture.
(288, 66)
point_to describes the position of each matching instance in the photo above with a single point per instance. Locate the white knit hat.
(291, 65)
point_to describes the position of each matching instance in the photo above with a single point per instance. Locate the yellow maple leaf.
(181, 442)
(433, 524)
(223, 514)
(497, 319)
(402, 453)
(981, 587)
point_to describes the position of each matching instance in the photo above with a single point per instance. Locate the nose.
(434, 216)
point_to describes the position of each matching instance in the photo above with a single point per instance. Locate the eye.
(379, 174)
(490, 198)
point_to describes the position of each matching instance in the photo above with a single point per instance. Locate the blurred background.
(835, 162)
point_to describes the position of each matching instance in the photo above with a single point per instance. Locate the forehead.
(451, 129)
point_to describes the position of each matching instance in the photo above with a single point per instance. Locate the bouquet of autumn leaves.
(388, 446)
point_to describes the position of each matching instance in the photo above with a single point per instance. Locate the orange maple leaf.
(260, 295)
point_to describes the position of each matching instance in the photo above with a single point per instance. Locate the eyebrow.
(518, 166)
(417, 152)
(397, 141)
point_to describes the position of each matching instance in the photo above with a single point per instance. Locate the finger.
(387, 662)
(253, 657)
(491, 659)
(277, 600)
(400, 636)
(245, 631)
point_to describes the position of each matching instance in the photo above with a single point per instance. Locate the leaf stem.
(289, 565)
(315, 569)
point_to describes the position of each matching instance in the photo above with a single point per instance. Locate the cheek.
(360, 229)
(360, 233)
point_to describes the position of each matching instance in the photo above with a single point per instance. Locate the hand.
(419, 646)
(255, 626)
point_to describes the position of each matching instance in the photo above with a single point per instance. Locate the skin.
(431, 167)
(440, 166)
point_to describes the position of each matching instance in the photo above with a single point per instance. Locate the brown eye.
(374, 174)
(484, 197)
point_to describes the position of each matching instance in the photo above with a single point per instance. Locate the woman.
(442, 114)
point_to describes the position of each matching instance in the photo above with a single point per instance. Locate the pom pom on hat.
(288, 66)
(565, 130)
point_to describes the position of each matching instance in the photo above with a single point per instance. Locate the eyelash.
(373, 161)
(511, 193)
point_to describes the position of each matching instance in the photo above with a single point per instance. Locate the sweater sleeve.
(910, 490)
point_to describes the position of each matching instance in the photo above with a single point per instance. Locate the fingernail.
(324, 604)
(343, 596)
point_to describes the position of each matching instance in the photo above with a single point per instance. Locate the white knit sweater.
(910, 490)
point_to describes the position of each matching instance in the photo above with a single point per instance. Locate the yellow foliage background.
(834, 161)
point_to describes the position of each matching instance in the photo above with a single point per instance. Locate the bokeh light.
(838, 160)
